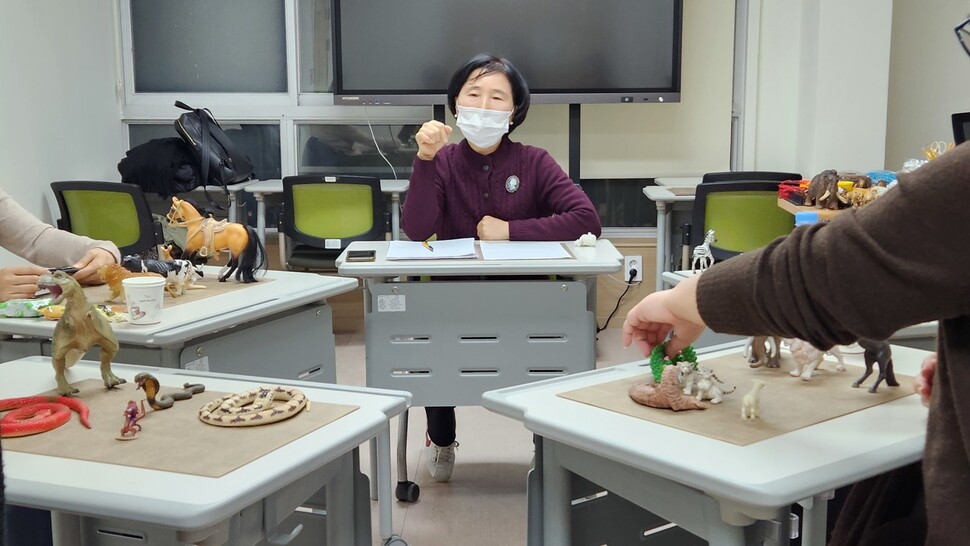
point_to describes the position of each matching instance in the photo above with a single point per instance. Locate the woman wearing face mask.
(489, 187)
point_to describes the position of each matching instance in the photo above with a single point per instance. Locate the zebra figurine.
(702, 257)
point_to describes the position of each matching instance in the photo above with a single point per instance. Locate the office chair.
(743, 214)
(734, 176)
(324, 214)
(109, 211)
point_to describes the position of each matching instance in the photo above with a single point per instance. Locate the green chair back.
(332, 211)
(746, 220)
(103, 215)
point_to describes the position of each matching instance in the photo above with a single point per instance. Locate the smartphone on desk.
(361, 255)
(67, 269)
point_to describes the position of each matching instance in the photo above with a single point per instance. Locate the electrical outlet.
(631, 263)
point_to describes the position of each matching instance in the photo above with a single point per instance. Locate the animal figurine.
(113, 274)
(658, 359)
(702, 257)
(707, 386)
(823, 192)
(751, 402)
(763, 350)
(807, 358)
(179, 274)
(686, 376)
(666, 394)
(131, 428)
(148, 383)
(79, 328)
(877, 352)
(206, 236)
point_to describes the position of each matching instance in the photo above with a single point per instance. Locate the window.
(316, 50)
(620, 202)
(350, 149)
(229, 46)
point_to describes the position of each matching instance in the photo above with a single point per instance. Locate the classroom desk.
(269, 187)
(823, 214)
(242, 331)
(664, 198)
(101, 504)
(713, 489)
(480, 330)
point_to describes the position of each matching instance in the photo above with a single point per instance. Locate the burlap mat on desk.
(211, 284)
(172, 440)
(787, 403)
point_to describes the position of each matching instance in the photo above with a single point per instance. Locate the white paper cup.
(144, 295)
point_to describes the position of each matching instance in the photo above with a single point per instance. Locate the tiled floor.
(484, 503)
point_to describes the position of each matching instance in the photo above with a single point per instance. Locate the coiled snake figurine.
(254, 407)
(150, 385)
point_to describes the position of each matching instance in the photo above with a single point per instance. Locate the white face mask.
(481, 127)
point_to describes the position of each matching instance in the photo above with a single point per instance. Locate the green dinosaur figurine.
(79, 328)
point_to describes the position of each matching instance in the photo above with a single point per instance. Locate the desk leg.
(395, 216)
(260, 217)
(341, 502)
(663, 253)
(534, 496)
(384, 485)
(556, 501)
(232, 207)
(814, 516)
(65, 529)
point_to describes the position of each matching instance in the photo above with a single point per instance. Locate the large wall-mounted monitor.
(403, 52)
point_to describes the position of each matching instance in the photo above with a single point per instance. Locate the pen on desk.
(427, 245)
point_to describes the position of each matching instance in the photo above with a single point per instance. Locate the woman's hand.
(661, 313)
(491, 228)
(923, 385)
(431, 137)
(89, 263)
(19, 282)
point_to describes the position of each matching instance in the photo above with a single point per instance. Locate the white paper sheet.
(523, 250)
(442, 250)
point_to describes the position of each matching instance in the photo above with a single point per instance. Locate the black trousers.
(441, 425)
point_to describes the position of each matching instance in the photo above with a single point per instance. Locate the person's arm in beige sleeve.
(43, 246)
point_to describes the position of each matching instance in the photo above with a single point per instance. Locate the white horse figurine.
(702, 256)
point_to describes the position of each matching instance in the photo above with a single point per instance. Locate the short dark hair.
(488, 64)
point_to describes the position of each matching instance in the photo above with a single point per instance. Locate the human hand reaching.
(661, 313)
(19, 282)
(89, 263)
(431, 137)
(923, 384)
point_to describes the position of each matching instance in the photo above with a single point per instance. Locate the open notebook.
(434, 250)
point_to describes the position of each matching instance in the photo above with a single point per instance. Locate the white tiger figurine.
(707, 386)
(807, 358)
(686, 376)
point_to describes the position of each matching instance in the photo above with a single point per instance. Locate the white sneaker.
(441, 462)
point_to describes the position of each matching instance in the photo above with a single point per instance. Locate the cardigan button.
(485, 168)
(486, 195)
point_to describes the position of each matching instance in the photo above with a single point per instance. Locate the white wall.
(61, 114)
(929, 77)
(820, 75)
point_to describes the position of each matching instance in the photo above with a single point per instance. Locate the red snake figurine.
(36, 414)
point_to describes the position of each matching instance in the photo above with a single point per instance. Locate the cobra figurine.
(148, 383)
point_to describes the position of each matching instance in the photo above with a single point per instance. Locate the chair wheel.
(407, 491)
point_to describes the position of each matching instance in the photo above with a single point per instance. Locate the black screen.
(568, 50)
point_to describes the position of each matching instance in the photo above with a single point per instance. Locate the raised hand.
(431, 137)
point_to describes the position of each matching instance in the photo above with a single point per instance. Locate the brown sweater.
(900, 261)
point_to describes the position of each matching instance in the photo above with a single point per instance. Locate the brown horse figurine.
(207, 235)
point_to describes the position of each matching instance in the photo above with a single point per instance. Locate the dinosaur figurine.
(79, 328)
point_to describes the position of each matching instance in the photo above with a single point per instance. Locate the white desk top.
(190, 320)
(276, 186)
(174, 500)
(602, 258)
(771, 473)
(678, 181)
(663, 194)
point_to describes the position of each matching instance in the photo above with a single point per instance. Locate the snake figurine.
(254, 407)
(36, 414)
(150, 385)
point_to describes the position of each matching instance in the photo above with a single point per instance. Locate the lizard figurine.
(79, 328)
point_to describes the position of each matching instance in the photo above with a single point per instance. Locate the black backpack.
(220, 162)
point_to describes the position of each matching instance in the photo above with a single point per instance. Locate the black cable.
(629, 283)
